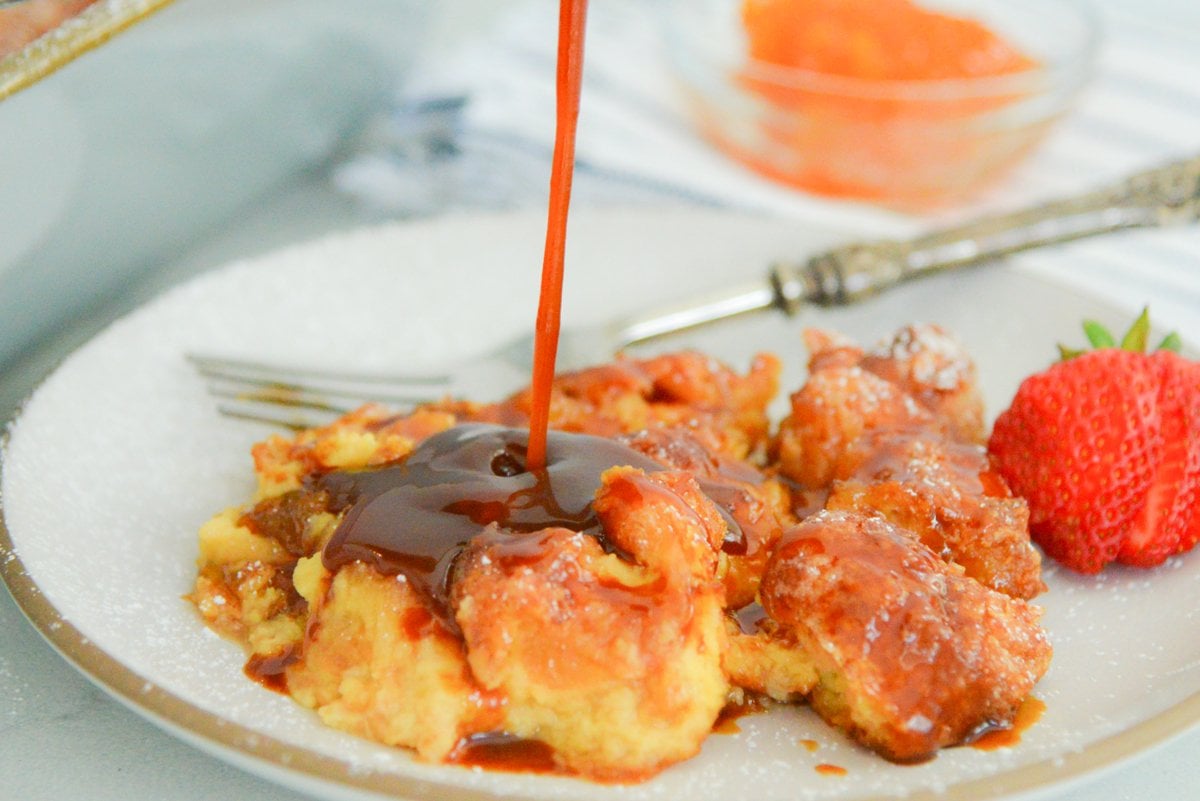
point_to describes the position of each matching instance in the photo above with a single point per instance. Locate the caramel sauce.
(417, 622)
(727, 720)
(271, 671)
(868, 567)
(1028, 713)
(414, 517)
(908, 455)
(499, 751)
(571, 25)
(726, 723)
(825, 769)
(809, 745)
(284, 519)
(728, 483)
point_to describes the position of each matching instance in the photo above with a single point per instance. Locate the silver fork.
(298, 397)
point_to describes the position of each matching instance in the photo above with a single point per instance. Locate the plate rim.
(275, 760)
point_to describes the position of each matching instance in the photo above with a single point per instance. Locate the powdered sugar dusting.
(933, 357)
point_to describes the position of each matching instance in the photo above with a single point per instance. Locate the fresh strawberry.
(1168, 522)
(1105, 447)
(1080, 443)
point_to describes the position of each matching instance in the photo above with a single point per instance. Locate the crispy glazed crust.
(896, 431)
(617, 666)
(911, 654)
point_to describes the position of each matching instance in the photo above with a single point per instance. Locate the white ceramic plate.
(119, 457)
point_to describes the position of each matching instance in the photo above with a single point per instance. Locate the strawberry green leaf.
(1098, 335)
(1138, 334)
(1171, 342)
(1066, 354)
(1136, 338)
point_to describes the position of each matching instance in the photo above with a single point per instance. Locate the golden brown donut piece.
(756, 507)
(944, 492)
(724, 409)
(911, 655)
(764, 657)
(920, 378)
(376, 663)
(931, 365)
(613, 662)
(821, 440)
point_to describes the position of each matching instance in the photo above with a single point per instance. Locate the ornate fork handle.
(1164, 196)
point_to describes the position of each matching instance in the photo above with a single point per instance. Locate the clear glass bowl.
(906, 143)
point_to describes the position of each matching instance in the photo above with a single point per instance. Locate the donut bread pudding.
(411, 581)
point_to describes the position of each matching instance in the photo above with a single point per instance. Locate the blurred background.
(217, 129)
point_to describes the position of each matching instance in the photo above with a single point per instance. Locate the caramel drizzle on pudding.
(413, 518)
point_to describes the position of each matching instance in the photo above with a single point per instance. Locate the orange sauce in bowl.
(893, 40)
(853, 105)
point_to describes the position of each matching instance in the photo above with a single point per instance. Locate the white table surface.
(61, 738)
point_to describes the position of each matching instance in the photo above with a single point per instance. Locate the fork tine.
(272, 413)
(334, 398)
(295, 397)
(314, 388)
(299, 397)
(274, 373)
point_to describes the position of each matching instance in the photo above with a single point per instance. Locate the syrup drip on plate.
(826, 769)
(1028, 713)
(504, 752)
